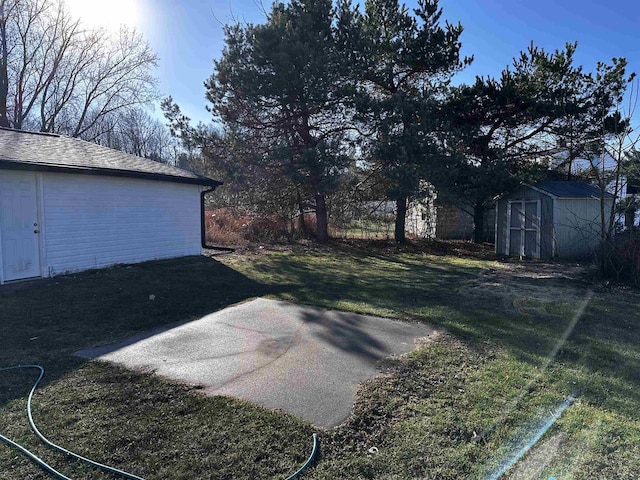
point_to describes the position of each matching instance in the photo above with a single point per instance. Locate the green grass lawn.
(514, 342)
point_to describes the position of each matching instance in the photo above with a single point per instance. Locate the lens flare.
(530, 443)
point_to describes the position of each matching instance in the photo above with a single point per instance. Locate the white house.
(68, 205)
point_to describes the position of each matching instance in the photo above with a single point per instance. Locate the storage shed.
(68, 205)
(550, 219)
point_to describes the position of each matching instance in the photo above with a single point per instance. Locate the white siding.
(421, 218)
(577, 226)
(97, 221)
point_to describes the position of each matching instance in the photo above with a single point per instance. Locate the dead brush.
(227, 226)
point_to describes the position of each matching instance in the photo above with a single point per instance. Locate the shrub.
(224, 226)
(233, 226)
(630, 255)
(620, 259)
(267, 229)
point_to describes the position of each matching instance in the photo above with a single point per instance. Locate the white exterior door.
(524, 229)
(19, 226)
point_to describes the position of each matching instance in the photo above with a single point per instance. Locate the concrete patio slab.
(304, 360)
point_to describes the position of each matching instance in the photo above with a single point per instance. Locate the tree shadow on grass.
(527, 314)
(595, 350)
(46, 322)
(370, 280)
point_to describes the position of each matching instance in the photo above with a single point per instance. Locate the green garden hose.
(121, 473)
(49, 443)
(38, 461)
(309, 460)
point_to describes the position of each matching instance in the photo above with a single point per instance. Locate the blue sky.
(187, 35)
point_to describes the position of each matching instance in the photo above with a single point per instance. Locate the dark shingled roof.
(571, 189)
(49, 152)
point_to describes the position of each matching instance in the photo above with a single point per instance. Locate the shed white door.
(524, 229)
(19, 226)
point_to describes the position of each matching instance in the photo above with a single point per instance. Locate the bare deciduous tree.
(57, 76)
(137, 132)
(7, 9)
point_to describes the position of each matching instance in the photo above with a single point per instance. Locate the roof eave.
(524, 184)
(591, 197)
(542, 190)
(108, 172)
(607, 195)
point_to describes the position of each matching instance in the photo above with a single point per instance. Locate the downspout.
(203, 225)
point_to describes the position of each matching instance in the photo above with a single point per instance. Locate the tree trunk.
(401, 214)
(629, 217)
(604, 237)
(4, 76)
(322, 223)
(478, 223)
(302, 224)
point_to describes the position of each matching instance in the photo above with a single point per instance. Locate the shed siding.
(94, 222)
(453, 224)
(578, 227)
(546, 220)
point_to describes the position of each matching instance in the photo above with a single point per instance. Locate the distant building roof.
(50, 152)
(571, 189)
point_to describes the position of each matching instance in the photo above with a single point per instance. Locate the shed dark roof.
(50, 152)
(571, 189)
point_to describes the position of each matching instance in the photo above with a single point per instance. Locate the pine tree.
(408, 59)
(283, 85)
(501, 131)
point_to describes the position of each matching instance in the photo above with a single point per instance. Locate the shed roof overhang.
(607, 195)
